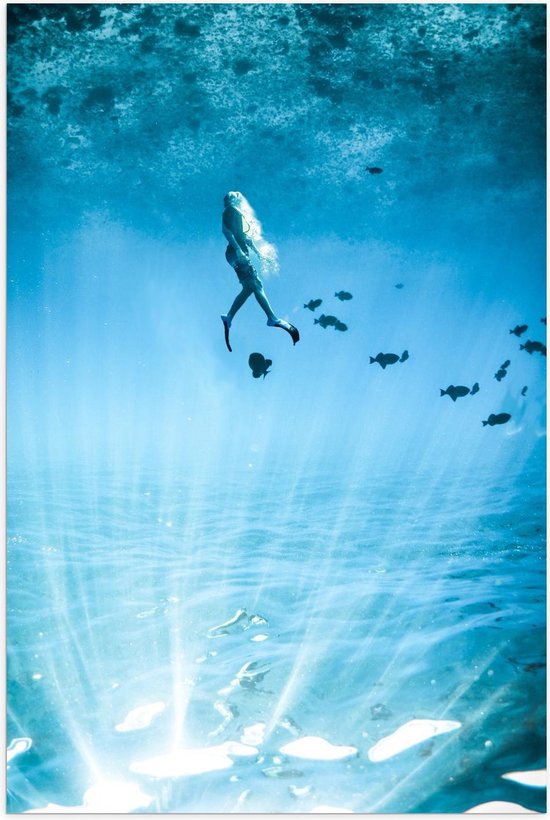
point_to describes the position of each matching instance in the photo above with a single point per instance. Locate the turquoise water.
(324, 588)
(379, 601)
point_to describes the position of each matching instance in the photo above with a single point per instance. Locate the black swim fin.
(290, 329)
(226, 327)
(294, 334)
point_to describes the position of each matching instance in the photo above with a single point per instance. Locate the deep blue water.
(380, 551)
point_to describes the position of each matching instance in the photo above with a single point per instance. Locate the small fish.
(343, 295)
(498, 418)
(313, 304)
(531, 347)
(384, 359)
(533, 667)
(524, 390)
(404, 356)
(325, 321)
(500, 374)
(259, 365)
(543, 320)
(519, 329)
(475, 389)
(505, 365)
(372, 169)
(399, 285)
(455, 392)
(340, 326)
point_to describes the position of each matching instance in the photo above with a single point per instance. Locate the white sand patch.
(499, 807)
(536, 778)
(105, 797)
(316, 748)
(188, 762)
(411, 733)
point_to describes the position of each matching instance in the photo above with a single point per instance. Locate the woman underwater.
(240, 227)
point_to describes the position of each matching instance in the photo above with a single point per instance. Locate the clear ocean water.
(323, 589)
(368, 604)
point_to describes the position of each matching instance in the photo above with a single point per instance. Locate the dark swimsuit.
(243, 269)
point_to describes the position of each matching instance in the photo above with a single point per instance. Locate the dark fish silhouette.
(340, 326)
(475, 389)
(499, 418)
(404, 356)
(532, 347)
(343, 295)
(524, 391)
(373, 169)
(384, 359)
(325, 321)
(500, 374)
(543, 320)
(313, 303)
(519, 329)
(505, 365)
(259, 365)
(400, 285)
(455, 392)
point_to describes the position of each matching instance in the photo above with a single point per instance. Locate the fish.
(498, 418)
(519, 329)
(524, 390)
(259, 365)
(500, 374)
(399, 285)
(372, 169)
(325, 321)
(343, 295)
(455, 392)
(313, 304)
(543, 320)
(475, 389)
(384, 359)
(404, 356)
(532, 347)
(340, 326)
(505, 365)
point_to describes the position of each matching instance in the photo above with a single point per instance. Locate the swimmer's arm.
(233, 242)
(250, 242)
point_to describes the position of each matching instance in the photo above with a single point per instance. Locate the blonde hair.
(269, 263)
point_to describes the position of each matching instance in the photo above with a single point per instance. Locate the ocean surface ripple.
(233, 646)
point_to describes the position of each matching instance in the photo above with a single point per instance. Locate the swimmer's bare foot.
(226, 325)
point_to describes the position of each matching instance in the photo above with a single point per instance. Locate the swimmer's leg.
(238, 303)
(263, 302)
